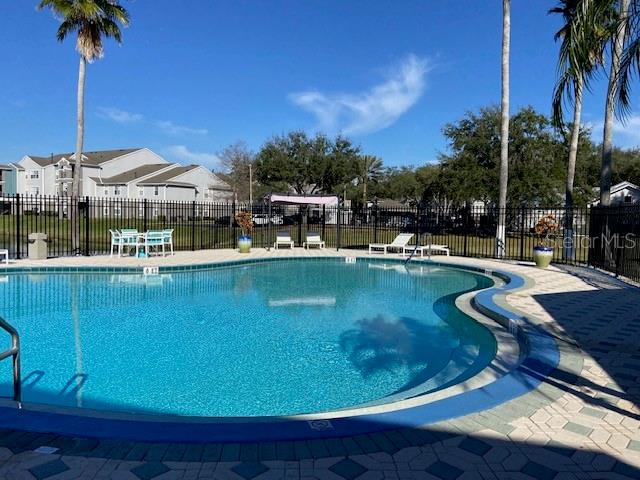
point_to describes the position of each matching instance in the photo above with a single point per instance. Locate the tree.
(504, 131)
(399, 183)
(236, 160)
(369, 170)
(471, 168)
(580, 52)
(92, 20)
(612, 94)
(306, 165)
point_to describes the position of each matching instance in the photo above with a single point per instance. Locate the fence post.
(417, 224)
(324, 212)
(193, 225)
(466, 228)
(375, 222)
(86, 226)
(301, 219)
(338, 222)
(144, 215)
(233, 224)
(522, 215)
(18, 227)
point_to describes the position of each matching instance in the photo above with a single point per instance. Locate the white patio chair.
(398, 243)
(168, 238)
(5, 253)
(154, 239)
(130, 239)
(313, 240)
(116, 241)
(283, 238)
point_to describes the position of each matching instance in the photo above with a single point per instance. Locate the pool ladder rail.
(14, 352)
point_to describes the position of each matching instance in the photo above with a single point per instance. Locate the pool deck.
(581, 422)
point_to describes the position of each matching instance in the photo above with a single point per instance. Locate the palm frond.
(583, 38)
(92, 20)
(629, 69)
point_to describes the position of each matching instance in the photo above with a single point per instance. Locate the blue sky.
(188, 81)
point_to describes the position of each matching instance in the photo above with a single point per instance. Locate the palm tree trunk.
(569, 247)
(607, 142)
(76, 186)
(364, 192)
(504, 132)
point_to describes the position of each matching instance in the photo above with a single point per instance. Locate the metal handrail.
(414, 250)
(14, 352)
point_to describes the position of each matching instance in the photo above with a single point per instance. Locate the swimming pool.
(258, 339)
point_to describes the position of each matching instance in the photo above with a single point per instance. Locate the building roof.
(89, 158)
(131, 175)
(165, 178)
(622, 185)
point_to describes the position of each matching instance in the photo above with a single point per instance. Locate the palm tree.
(612, 97)
(92, 20)
(369, 169)
(504, 132)
(581, 51)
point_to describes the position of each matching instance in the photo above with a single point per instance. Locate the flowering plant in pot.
(245, 221)
(545, 229)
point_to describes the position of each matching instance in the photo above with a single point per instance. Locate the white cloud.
(170, 128)
(182, 154)
(626, 134)
(119, 116)
(166, 126)
(373, 110)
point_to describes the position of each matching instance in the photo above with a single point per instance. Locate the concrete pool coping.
(509, 381)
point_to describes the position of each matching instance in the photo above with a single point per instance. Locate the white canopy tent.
(293, 199)
(321, 201)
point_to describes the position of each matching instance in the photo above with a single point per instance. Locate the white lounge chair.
(313, 240)
(283, 238)
(426, 248)
(398, 243)
(5, 253)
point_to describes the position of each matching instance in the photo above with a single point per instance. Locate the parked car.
(263, 219)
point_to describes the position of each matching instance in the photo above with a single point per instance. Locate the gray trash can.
(38, 246)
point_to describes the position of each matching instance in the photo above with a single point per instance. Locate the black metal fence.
(199, 225)
(615, 240)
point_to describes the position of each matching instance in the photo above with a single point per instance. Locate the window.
(627, 199)
(117, 211)
(140, 191)
(156, 190)
(105, 211)
(141, 211)
(34, 174)
(35, 190)
(106, 191)
(116, 190)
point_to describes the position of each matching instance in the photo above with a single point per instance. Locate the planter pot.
(244, 244)
(542, 256)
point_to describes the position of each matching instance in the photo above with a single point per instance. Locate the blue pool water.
(268, 338)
